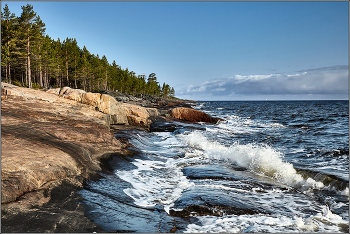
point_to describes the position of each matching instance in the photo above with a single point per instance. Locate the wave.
(258, 158)
(324, 221)
(331, 181)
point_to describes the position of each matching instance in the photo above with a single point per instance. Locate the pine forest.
(30, 58)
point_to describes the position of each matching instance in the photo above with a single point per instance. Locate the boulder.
(139, 111)
(110, 106)
(153, 112)
(7, 89)
(103, 103)
(72, 94)
(63, 90)
(54, 91)
(92, 99)
(25, 93)
(192, 115)
(138, 121)
(138, 115)
(122, 99)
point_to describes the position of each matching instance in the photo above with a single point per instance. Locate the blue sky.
(215, 50)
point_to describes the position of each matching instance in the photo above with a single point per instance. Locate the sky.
(215, 50)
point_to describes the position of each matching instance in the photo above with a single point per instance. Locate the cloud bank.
(318, 82)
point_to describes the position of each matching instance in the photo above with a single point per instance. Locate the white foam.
(325, 222)
(241, 125)
(299, 150)
(345, 192)
(224, 188)
(155, 182)
(242, 223)
(258, 158)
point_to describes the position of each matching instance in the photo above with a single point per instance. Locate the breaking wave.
(258, 158)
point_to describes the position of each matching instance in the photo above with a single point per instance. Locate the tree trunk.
(48, 79)
(67, 68)
(26, 73)
(41, 77)
(62, 79)
(28, 63)
(84, 80)
(57, 77)
(9, 74)
(8, 51)
(44, 79)
(14, 74)
(22, 77)
(75, 71)
(6, 73)
(106, 81)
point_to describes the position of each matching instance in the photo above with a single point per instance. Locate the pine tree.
(31, 28)
(84, 67)
(105, 66)
(172, 92)
(67, 57)
(8, 38)
(75, 54)
(46, 59)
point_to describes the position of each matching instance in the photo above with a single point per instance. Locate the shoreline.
(52, 145)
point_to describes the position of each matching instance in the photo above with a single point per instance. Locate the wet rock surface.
(63, 212)
(217, 200)
(201, 201)
(109, 207)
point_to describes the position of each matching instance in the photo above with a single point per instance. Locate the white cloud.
(220, 89)
(198, 89)
(322, 82)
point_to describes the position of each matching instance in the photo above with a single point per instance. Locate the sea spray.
(258, 158)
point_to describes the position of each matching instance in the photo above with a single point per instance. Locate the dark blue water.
(270, 166)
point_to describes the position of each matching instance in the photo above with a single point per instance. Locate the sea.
(268, 166)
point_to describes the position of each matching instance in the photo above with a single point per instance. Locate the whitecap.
(258, 158)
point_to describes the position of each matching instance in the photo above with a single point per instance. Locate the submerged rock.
(201, 201)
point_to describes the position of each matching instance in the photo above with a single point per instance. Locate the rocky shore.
(53, 141)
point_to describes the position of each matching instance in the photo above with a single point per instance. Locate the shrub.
(36, 86)
(17, 83)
